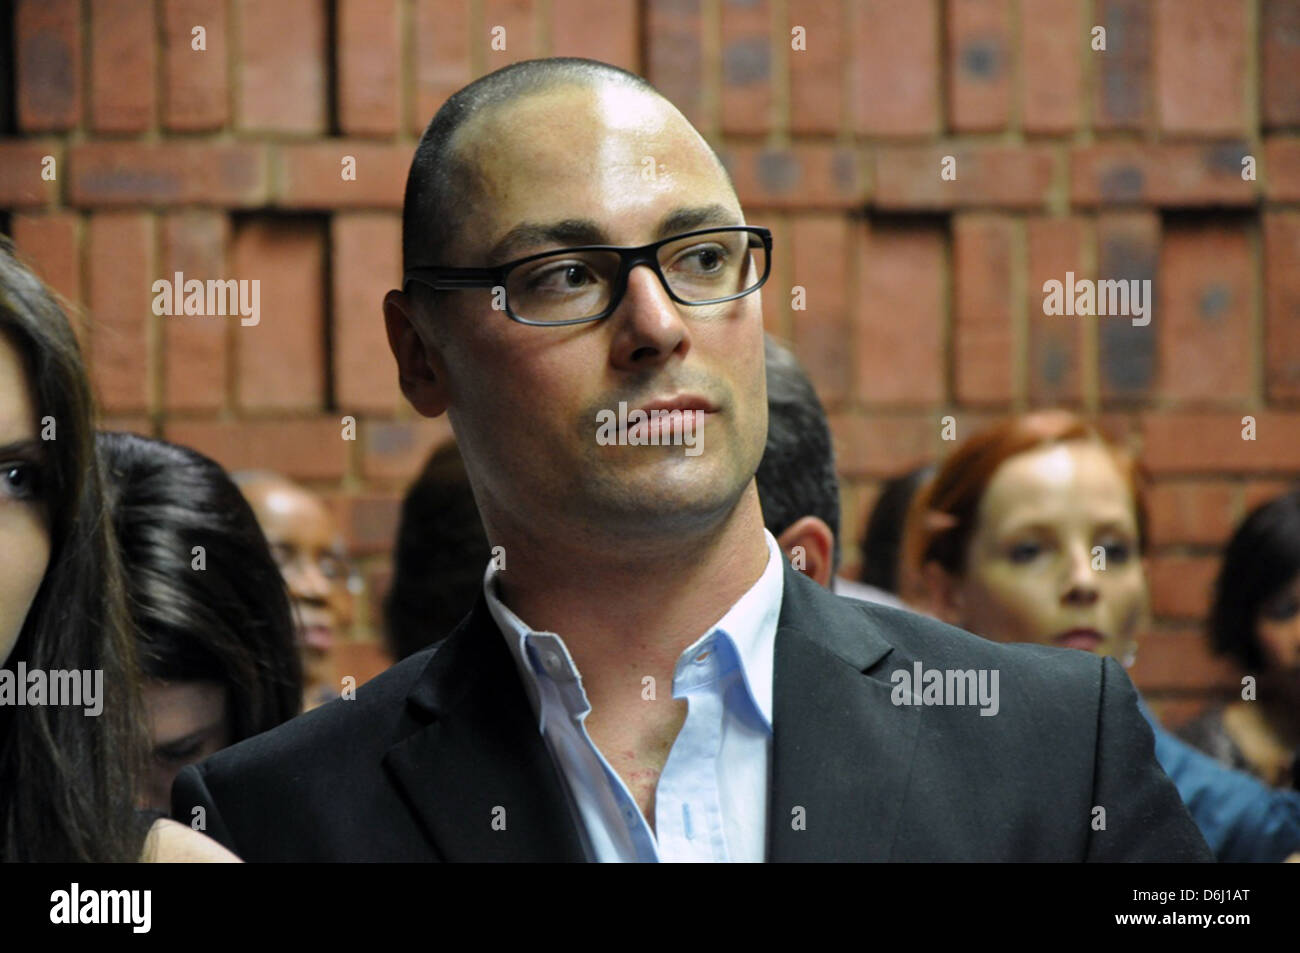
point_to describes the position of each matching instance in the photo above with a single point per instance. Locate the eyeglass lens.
(570, 285)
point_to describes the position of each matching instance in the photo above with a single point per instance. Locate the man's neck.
(631, 610)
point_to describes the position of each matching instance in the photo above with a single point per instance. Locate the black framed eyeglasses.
(576, 285)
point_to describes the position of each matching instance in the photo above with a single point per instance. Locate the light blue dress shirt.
(711, 798)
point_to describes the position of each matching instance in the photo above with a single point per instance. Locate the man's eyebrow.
(539, 236)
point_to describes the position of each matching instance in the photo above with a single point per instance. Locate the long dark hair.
(225, 619)
(68, 780)
(1262, 557)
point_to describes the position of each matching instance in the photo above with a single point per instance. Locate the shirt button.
(552, 661)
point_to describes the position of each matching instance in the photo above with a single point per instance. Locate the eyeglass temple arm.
(448, 279)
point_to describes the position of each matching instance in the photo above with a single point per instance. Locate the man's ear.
(810, 544)
(941, 594)
(419, 365)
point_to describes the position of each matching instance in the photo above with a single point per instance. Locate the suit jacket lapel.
(841, 751)
(476, 772)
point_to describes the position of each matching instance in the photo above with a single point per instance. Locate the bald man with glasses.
(644, 677)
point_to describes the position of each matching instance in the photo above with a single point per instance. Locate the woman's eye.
(178, 754)
(1117, 552)
(1280, 609)
(1024, 552)
(22, 481)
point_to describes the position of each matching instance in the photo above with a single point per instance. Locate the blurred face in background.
(24, 531)
(311, 556)
(187, 722)
(1277, 627)
(1048, 523)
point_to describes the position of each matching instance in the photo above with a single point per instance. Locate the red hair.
(941, 519)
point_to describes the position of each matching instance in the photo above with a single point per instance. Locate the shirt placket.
(688, 805)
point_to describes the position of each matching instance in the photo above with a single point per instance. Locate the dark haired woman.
(68, 772)
(208, 605)
(1255, 620)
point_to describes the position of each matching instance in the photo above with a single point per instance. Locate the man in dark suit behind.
(644, 677)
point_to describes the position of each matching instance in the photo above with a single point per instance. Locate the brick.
(311, 175)
(127, 423)
(196, 85)
(979, 65)
(1050, 48)
(1282, 305)
(1121, 429)
(883, 446)
(368, 59)
(983, 333)
(121, 274)
(442, 61)
(806, 176)
(1178, 657)
(281, 360)
(1123, 70)
(1056, 343)
(1200, 60)
(1258, 492)
(1206, 174)
(1181, 586)
(1192, 442)
(129, 173)
(821, 333)
(396, 451)
(597, 30)
(366, 252)
(283, 86)
(817, 73)
(746, 66)
(1128, 249)
(1279, 33)
(675, 55)
(310, 448)
(908, 177)
(48, 73)
(22, 163)
(901, 314)
(1189, 512)
(368, 521)
(195, 350)
(1204, 315)
(123, 54)
(1282, 169)
(49, 243)
(896, 67)
(518, 18)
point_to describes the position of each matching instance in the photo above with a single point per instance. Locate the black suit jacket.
(416, 765)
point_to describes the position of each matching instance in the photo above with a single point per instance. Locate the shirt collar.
(750, 625)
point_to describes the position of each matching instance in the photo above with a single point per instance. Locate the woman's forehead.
(1075, 477)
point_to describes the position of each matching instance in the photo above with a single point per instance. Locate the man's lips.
(1086, 639)
(682, 402)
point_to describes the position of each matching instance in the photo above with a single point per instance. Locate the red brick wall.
(923, 295)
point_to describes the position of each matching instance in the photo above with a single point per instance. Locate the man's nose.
(650, 327)
(306, 581)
